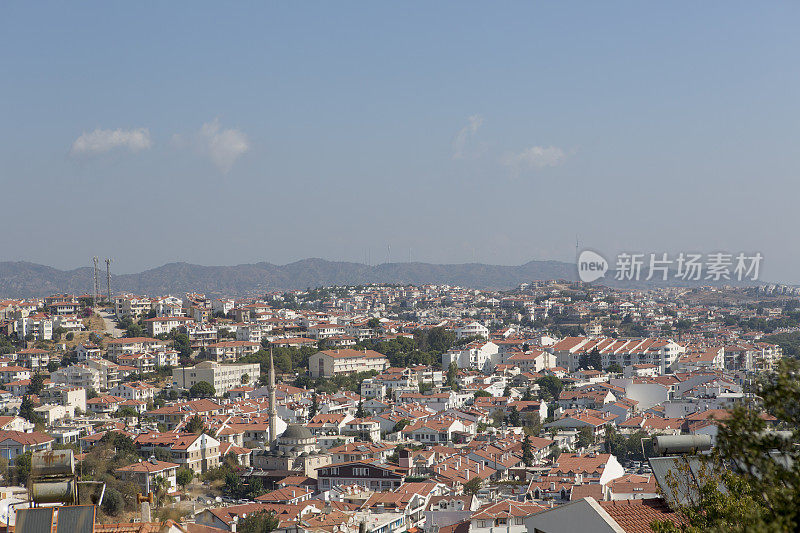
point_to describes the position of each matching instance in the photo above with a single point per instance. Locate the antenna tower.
(108, 279)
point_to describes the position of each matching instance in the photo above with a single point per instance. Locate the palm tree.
(160, 489)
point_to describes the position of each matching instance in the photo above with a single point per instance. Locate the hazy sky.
(225, 133)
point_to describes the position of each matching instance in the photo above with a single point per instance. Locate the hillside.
(22, 279)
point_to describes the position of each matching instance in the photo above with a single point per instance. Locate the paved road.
(111, 325)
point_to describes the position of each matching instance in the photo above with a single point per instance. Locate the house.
(145, 474)
(588, 514)
(286, 496)
(105, 405)
(507, 516)
(373, 475)
(478, 355)
(603, 466)
(472, 329)
(449, 509)
(15, 443)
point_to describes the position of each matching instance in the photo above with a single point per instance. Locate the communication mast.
(96, 282)
(108, 279)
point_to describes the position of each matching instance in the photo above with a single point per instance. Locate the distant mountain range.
(23, 279)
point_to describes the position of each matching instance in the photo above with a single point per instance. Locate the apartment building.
(80, 375)
(164, 325)
(134, 390)
(132, 306)
(663, 353)
(327, 363)
(232, 350)
(37, 327)
(222, 377)
(33, 358)
(131, 345)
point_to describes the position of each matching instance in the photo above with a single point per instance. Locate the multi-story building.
(131, 345)
(163, 325)
(145, 473)
(327, 363)
(80, 375)
(36, 327)
(232, 350)
(132, 306)
(222, 377)
(134, 390)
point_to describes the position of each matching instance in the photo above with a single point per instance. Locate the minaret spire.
(273, 408)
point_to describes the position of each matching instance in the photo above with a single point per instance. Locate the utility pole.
(108, 279)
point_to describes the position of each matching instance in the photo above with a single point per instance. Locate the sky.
(223, 133)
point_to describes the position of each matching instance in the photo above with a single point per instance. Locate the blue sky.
(222, 133)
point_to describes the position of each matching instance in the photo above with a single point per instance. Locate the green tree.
(452, 375)
(202, 389)
(37, 384)
(184, 476)
(440, 340)
(134, 330)
(527, 452)
(181, 343)
(761, 491)
(113, 503)
(57, 332)
(614, 369)
(22, 464)
(258, 522)
(472, 486)
(160, 488)
(245, 378)
(26, 411)
(507, 391)
(373, 323)
(585, 437)
(400, 425)
(591, 360)
(528, 396)
(482, 394)
(550, 387)
(514, 419)
(312, 411)
(195, 424)
(52, 366)
(127, 411)
(360, 411)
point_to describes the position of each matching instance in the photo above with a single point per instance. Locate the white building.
(222, 377)
(327, 363)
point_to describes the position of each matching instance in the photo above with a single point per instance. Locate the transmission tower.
(108, 279)
(96, 282)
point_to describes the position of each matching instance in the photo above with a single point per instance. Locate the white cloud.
(101, 141)
(465, 136)
(535, 157)
(222, 146)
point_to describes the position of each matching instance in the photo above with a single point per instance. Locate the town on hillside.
(385, 408)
